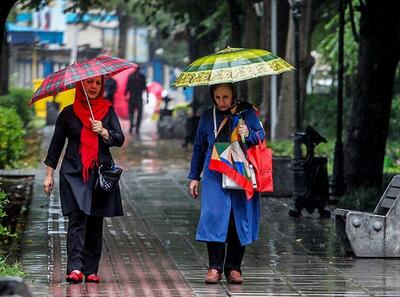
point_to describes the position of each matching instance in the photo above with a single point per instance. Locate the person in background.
(228, 221)
(135, 87)
(89, 142)
(110, 88)
(192, 122)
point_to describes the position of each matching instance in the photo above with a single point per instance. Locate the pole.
(296, 14)
(274, 78)
(74, 49)
(337, 181)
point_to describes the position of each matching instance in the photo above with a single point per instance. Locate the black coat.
(74, 193)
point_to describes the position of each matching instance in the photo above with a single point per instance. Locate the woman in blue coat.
(228, 221)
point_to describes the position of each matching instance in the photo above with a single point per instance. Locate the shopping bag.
(260, 156)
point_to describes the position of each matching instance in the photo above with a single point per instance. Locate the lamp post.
(337, 180)
(296, 6)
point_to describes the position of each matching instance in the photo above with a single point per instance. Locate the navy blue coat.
(74, 193)
(216, 202)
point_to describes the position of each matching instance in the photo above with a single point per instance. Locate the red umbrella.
(155, 88)
(66, 78)
(120, 99)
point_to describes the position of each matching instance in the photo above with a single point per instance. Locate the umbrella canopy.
(66, 78)
(231, 65)
(155, 88)
(121, 100)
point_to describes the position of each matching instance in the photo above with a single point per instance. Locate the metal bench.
(373, 234)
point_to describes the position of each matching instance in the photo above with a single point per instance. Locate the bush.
(14, 269)
(11, 137)
(3, 202)
(326, 105)
(18, 99)
(6, 269)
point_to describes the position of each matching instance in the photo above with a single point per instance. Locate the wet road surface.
(151, 251)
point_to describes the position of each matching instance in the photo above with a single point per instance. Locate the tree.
(378, 57)
(6, 6)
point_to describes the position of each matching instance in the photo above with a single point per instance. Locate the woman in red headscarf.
(89, 140)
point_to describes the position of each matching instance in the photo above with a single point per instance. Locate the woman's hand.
(242, 129)
(97, 127)
(48, 181)
(194, 188)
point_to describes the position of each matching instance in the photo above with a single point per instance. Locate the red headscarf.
(89, 147)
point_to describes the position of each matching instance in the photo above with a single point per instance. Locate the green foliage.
(392, 157)
(328, 46)
(14, 269)
(6, 269)
(4, 233)
(17, 99)
(72, 5)
(11, 137)
(3, 203)
(394, 128)
(324, 104)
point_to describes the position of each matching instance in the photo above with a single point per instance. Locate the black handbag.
(108, 178)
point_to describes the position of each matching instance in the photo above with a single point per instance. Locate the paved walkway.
(151, 251)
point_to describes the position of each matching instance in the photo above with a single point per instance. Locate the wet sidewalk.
(151, 251)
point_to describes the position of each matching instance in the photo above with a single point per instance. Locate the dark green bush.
(11, 137)
(6, 269)
(17, 99)
(320, 113)
(394, 128)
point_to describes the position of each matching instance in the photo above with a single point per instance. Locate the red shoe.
(92, 278)
(74, 277)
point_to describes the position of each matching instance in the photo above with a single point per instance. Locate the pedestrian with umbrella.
(229, 218)
(91, 127)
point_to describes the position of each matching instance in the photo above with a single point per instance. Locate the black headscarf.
(241, 105)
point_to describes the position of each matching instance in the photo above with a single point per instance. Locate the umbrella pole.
(88, 101)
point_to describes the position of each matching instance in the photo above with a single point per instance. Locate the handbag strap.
(215, 123)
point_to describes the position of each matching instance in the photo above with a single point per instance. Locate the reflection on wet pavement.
(151, 251)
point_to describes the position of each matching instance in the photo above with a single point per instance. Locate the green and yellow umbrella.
(231, 65)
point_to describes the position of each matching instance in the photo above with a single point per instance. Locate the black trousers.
(84, 242)
(233, 258)
(135, 103)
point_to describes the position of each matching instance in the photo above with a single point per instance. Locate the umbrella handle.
(242, 135)
(88, 101)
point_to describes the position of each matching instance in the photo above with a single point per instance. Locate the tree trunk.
(235, 12)
(125, 22)
(4, 67)
(378, 57)
(265, 43)
(286, 111)
(250, 39)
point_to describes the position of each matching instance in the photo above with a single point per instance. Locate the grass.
(14, 269)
